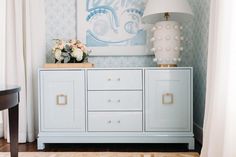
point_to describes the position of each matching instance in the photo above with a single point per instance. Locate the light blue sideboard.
(115, 105)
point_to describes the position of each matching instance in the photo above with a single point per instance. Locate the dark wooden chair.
(9, 99)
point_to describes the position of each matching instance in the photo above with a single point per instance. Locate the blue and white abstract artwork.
(112, 27)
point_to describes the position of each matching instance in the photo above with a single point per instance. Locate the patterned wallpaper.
(199, 55)
(61, 23)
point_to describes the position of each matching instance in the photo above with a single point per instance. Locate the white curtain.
(25, 52)
(2, 52)
(219, 137)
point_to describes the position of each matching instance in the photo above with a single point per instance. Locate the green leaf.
(66, 59)
(65, 54)
(67, 48)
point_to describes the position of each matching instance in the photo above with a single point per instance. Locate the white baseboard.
(198, 132)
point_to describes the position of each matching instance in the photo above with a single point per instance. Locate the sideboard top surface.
(122, 68)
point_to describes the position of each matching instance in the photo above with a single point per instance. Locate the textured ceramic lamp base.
(167, 43)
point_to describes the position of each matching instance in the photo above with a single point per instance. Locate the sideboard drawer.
(115, 80)
(115, 100)
(115, 121)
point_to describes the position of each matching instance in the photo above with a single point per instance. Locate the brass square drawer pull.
(62, 99)
(168, 98)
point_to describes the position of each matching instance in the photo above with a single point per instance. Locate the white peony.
(60, 44)
(78, 54)
(57, 54)
(84, 49)
(54, 49)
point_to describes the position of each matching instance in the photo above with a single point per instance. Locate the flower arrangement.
(72, 51)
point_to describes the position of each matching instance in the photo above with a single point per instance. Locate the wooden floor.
(32, 147)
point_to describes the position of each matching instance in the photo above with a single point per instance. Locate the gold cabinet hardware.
(60, 98)
(168, 98)
(113, 79)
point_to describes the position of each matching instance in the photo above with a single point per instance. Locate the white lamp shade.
(179, 10)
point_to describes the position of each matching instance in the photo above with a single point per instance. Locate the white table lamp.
(166, 14)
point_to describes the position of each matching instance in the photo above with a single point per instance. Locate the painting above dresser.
(115, 105)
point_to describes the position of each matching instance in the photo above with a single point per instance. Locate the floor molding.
(198, 132)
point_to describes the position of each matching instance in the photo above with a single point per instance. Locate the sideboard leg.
(191, 144)
(40, 145)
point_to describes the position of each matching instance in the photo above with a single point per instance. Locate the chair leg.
(13, 126)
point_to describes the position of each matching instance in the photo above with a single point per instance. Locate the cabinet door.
(168, 100)
(62, 101)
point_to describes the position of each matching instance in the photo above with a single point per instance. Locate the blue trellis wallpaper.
(196, 56)
(201, 9)
(61, 23)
